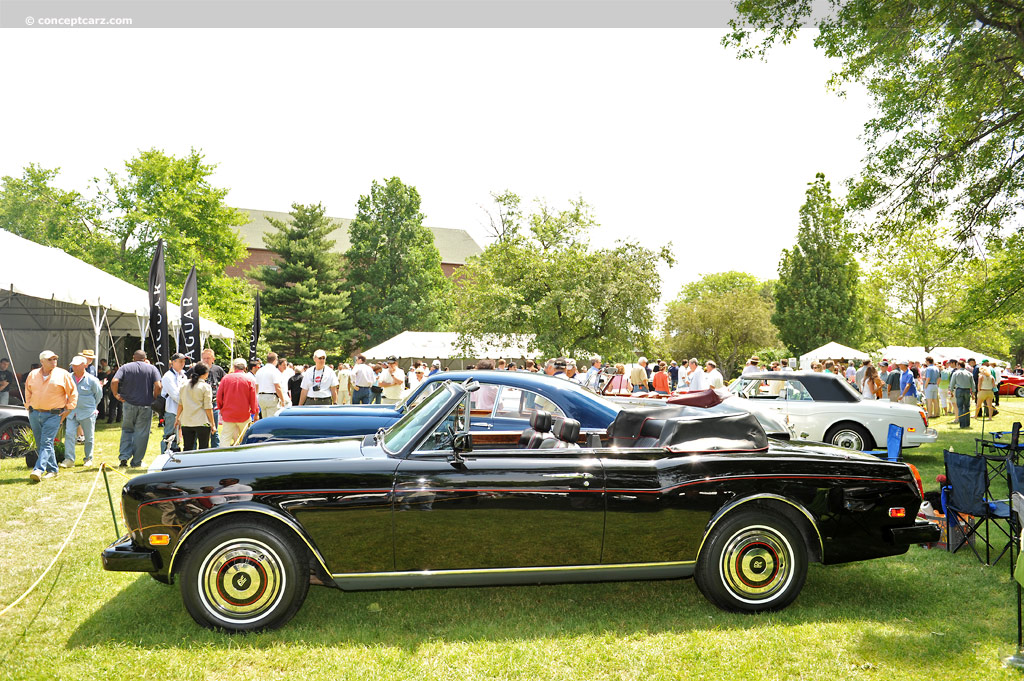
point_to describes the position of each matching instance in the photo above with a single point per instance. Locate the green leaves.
(303, 300)
(725, 317)
(392, 268)
(540, 277)
(816, 298)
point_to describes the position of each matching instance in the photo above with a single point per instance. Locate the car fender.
(732, 505)
(243, 507)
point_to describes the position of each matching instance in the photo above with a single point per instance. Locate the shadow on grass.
(150, 615)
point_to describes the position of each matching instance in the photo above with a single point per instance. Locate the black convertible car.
(673, 492)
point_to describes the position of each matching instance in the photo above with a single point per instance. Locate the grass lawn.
(925, 615)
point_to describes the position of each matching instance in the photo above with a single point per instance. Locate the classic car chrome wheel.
(1020, 391)
(244, 578)
(848, 436)
(752, 561)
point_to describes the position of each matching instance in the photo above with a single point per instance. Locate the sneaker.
(47, 476)
(88, 461)
(66, 464)
(81, 438)
(123, 464)
(36, 475)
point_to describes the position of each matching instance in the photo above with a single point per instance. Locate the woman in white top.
(195, 410)
(872, 387)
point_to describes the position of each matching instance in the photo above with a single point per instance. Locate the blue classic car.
(501, 408)
(503, 404)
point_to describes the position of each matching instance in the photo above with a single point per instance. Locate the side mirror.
(462, 443)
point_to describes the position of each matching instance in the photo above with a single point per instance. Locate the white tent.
(50, 300)
(442, 345)
(833, 351)
(916, 353)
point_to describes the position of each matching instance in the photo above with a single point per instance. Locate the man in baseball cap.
(49, 395)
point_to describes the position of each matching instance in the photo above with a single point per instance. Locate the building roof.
(454, 245)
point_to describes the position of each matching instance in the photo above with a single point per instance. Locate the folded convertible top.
(686, 429)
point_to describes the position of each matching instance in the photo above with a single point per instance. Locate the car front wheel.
(849, 436)
(10, 445)
(245, 577)
(752, 561)
(1020, 391)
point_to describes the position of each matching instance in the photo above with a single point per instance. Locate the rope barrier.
(59, 551)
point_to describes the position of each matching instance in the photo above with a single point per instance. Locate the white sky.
(664, 132)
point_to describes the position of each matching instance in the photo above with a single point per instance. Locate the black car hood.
(295, 450)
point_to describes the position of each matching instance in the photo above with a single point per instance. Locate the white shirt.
(714, 379)
(344, 379)
(171, 382)
(285, 375)
(414, 382)
(325, 377)
(698, 380)
(392, 392)
(751, 368)
(268, 378)
(362, 376)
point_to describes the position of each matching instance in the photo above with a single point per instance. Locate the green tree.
(302, 297)
(117, 229)
(393, 269)
(920, 281)
(31, 207)
(160, 196)
(725, 317)
(540, 277)
(945, 78)
(816, 297)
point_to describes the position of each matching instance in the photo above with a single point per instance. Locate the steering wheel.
(448, 439)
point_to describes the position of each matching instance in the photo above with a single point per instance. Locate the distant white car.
(825, 408)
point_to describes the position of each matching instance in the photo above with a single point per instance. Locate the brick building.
(455, 245)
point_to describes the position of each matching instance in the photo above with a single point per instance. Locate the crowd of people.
(943, 389)
(203, 405)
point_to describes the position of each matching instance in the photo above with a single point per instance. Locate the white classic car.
(825, 408)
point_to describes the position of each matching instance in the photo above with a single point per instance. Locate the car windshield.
(399, 435)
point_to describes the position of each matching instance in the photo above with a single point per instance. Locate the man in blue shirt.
(83, 416)
(908, 387)
(136, 384)
(931, 387)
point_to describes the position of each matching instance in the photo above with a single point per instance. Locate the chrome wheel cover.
(241, 581)
(848, 439)
(756, 564)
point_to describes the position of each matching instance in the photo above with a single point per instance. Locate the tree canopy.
(392, 268)
(725, 317)
(947, 137)
(156, 196)
(541, 277)
(305, 308)
(816, 297)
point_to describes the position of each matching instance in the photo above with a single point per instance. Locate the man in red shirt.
(236, 398)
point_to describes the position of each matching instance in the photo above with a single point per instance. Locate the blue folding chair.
(893, 445)
(965, 494)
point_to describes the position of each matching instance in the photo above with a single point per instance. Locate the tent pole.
(16, 381)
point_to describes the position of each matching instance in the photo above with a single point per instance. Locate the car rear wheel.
(752, 561)
(1020, 391)
(849, 436)
(9, 444)
(244, 577)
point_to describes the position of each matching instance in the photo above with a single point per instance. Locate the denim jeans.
(963, 406)
(169, 421)
(361, 395)
(135, 433)
(88, 425)
(215, 437)
(44, 429)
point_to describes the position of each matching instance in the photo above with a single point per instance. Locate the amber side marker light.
(917, 479)
(159, 539)
(897, 513)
